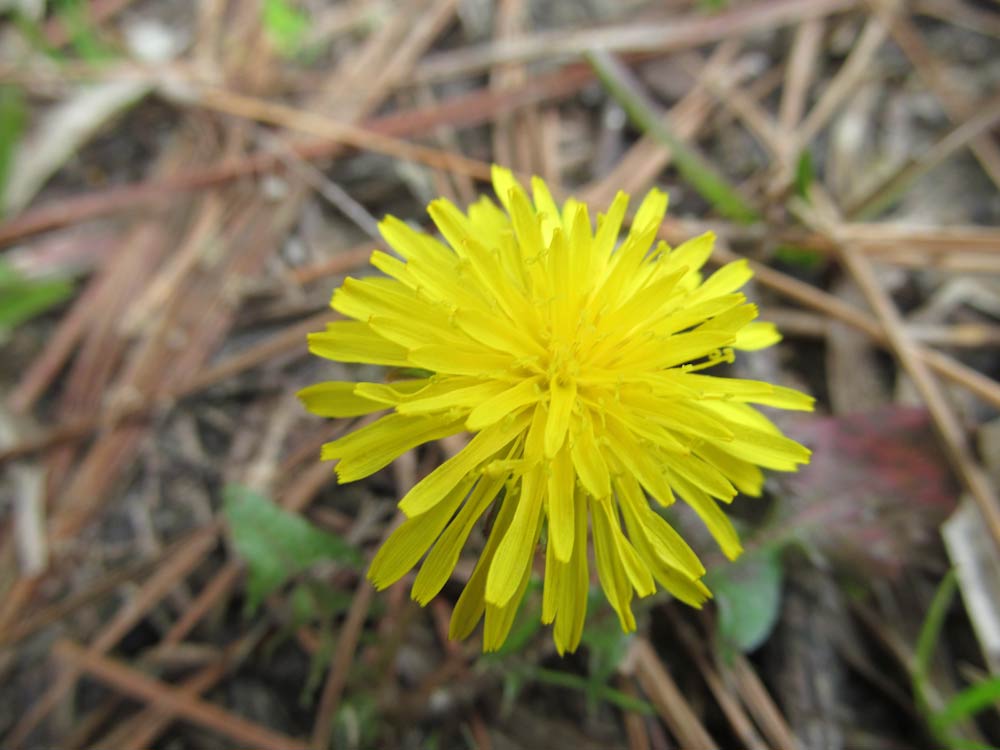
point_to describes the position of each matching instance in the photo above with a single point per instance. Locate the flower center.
(563, 367)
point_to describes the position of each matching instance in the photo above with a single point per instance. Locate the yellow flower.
(575, 362)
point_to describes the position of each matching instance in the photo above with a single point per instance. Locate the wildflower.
(577, 364)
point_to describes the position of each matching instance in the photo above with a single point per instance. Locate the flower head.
(577, 363)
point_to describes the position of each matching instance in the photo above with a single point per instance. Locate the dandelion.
(577, 364)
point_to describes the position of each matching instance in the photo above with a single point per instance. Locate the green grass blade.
(930, 631)
(694, 167)
(604, 692)
(13, 116)
(22, 298)
(84, 36)
(970, 701)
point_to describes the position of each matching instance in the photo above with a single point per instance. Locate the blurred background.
(182, 186)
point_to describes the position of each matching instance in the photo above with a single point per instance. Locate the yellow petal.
(472, 602)
(546, 208)
(534, 440)
(504, 184)
(648, 529)
(731, 321)
(679, 415)
(610, 570)
(755, 336)
(336, 399)
(494, 409)
(408, 543)
(625, 262)
(770, 451)
(487, 218)
(687, 315)
(649, 425)
(574, 585)
(587, 460)
(562, 396)
(513, 557)
(582, 254)
(692, 593)
(397, 392)
(711, 514)
(411, 332)
(450, 398)
(363, 298)
(412, 244)
(640, 463)
(608, 228)
(747, 477)
(440, 563)
(454, 226)
(658, 354)
(646, 306)
(429, 490)
(375, 446)
(692, 254)
(499, 620)
(352, 341)
(752, 391)
(554, 570)
(651, 210)
(727, 279)
(498, 334)
(561, 482)
(637, 574)
(459, 361)
(529, 239)
(702, 475)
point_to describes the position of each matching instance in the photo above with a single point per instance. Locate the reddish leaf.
(876, 491)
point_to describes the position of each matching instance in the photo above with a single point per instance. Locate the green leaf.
(606, 642)
(804, 175)
(285, 25)
(276, 544)
(313, 600)
(31, 32)
(694, 167)
(13, 116)
(606, 646)
(748, 595)
(84, 36)
(801, 257)
(22, 298)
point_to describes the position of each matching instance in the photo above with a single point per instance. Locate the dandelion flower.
(577, 364)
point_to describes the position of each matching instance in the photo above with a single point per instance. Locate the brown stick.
(174, 700)
(187, 557)
(667, 698)
(340, 664)
(982, 386)
(74, 430)
(461, 111)
(908, 353)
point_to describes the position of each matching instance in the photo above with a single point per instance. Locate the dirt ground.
(184, 184)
